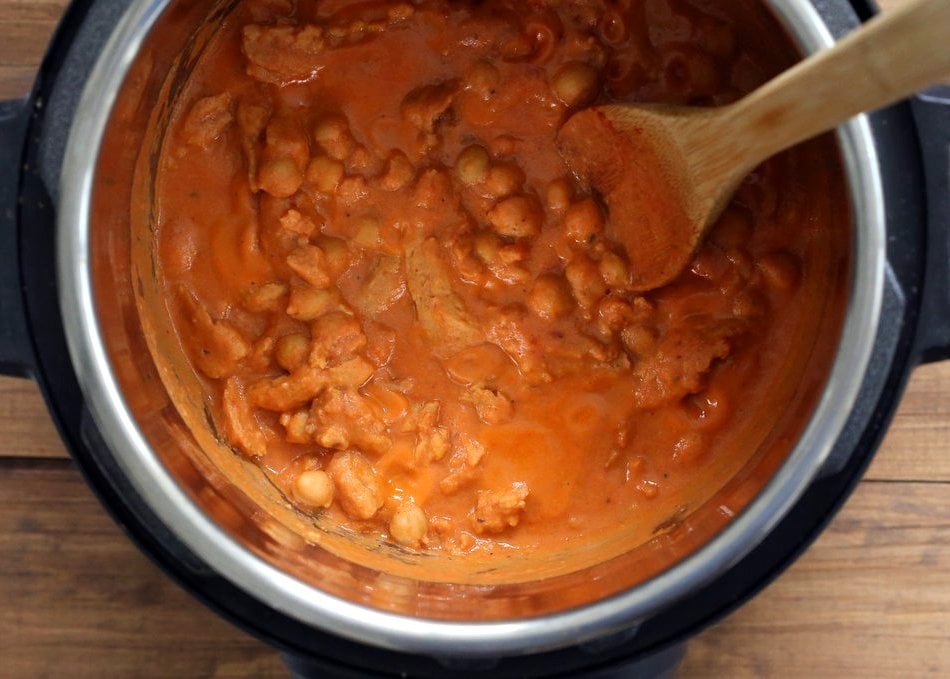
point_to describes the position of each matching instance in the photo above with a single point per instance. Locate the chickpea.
(332, 132)
(614, 313)
(362, 161)
(487, 246)
(367, 234)
(297, 223)
(285, 140)
(483, 79)
(614, 270)
(503, 180)
(314, 488)
(280, 177)
(292, 351)
(261, 354)
(513, 253)
(513, 275)
(575, 84)
(432, 188)
(310, 263)
(297, 426)
(337, 254)
(265, 297)
(325, 173)
(472, 165)
(335, 437)
(559, 194)
(409, 525)
(461, 250)
(584, 220)
(352, 190)
(516, 217)
(643, 309)
(638, 339)
(585, 281)
(307, 304)
(550, 297)
(399, 172)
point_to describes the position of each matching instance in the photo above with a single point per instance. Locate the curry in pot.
(420, 326)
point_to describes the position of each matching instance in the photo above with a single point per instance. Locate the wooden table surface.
(870, 599)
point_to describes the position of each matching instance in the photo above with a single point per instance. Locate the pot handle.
(16, 348)
(932, 113)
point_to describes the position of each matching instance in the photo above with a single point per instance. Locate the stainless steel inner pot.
(250, 545)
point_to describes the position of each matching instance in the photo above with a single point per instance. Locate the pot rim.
(393, 631)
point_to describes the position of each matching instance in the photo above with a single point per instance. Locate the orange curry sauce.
(411, 315)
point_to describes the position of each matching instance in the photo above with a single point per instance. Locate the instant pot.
(82, 350)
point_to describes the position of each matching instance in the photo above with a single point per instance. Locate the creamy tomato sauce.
(409, 313)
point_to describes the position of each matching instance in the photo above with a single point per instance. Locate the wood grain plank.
(24, 42)
(25, 26)
(888, 5)
(871, 598)
(26, 429)
(16, 81)
(32, 11)
(80, 601)
(917, 446)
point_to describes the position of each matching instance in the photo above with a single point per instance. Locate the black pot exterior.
(932, 113)
(16, 354)
(916, 327)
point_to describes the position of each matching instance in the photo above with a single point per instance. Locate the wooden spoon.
(667, 172)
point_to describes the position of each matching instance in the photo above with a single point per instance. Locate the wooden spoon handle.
(889, 58)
